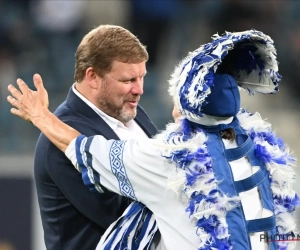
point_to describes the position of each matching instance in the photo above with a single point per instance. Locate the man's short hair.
(105, 44)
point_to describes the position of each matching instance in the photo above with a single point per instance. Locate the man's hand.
(32, 106)
(28, 104)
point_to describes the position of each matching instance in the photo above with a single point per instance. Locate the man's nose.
(137, 88)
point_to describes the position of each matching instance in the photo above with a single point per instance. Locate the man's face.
(121, 89)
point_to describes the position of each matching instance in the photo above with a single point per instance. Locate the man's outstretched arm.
(81, 150)
(121, 164)
(32, 106)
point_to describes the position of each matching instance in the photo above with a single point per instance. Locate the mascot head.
(207, 81)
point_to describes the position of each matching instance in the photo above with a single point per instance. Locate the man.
(218, 178)
(109, 73)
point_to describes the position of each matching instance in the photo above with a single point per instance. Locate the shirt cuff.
(71, 153)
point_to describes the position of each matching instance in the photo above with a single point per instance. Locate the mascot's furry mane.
(249, 56)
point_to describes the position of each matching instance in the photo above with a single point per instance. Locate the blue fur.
(210, 225)
(288, 203)
(263, 153)
(192, 175)
(269, 136)
(187, 129)
(181, 157)
(198, 197)
(184, 158)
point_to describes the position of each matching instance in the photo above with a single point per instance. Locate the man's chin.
(128, 115)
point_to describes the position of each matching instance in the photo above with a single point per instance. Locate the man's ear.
(92, 78)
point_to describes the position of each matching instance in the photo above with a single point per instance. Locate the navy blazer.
(72, 216)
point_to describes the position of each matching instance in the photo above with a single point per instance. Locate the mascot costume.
(235, 175)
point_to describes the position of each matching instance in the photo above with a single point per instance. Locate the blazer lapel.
(145, 123)
(81, 107)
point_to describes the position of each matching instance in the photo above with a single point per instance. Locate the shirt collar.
(112, 122)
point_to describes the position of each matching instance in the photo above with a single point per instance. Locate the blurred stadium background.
(41, 36)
